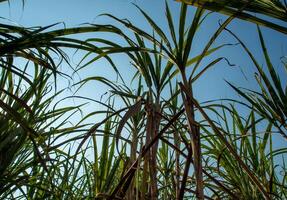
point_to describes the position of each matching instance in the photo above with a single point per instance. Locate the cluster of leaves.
(247, 10)
(161, 144)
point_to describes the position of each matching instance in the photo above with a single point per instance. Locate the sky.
(212, 85)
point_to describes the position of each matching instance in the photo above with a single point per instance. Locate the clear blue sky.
(211, 85)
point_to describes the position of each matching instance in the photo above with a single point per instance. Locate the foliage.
(152, 139)
(247, 10)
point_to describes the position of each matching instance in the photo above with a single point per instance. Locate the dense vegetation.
(151, 139)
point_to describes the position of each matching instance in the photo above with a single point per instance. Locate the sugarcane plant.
(176, 52)
(30, 126)
(28, 119)
(254, 146)
(270, 101)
